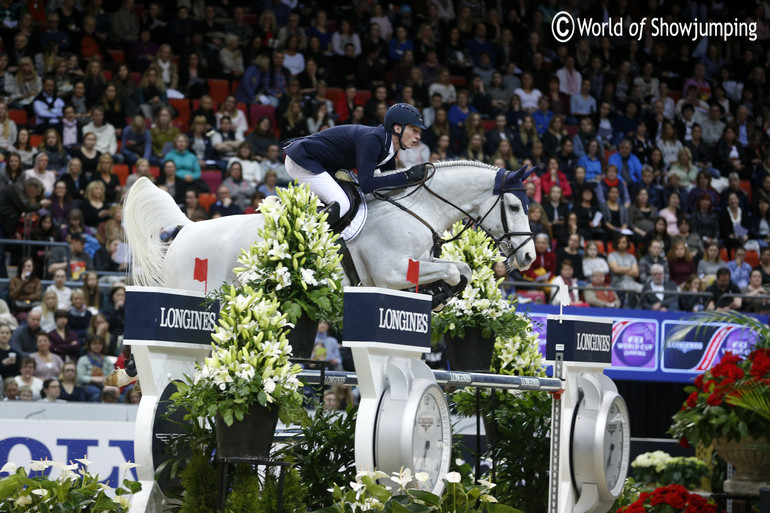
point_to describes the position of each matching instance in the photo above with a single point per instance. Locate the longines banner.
(169, 316)
(387, 316)
(579, 339)
(643, 345)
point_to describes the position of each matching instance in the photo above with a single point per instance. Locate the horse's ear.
(525, 173)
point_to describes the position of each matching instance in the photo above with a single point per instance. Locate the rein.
(437, 240)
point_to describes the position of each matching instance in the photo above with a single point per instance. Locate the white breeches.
(323, 185)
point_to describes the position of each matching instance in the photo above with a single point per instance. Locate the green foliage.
(480, 304)
(244, 497)
(323, 449)
(69, 491)
(199, 480)
(250, 362)
(658, 467)
(295, 259)
(294, 494)
(629, 494)
(367, 494)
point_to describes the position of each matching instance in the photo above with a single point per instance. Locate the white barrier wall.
(102, 433)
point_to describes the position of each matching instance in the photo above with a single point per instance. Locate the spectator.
(570, 80)
(734, 225)
(18, 200)
(114, 314)
(564, 287)
(70, 390)
(94, 206)
(23, 341)
(251, 169)
(106, 140)
(614, 213)
(655, 255)
(543, 268)
(458, 113)
(624, 270)
(240, 189)
(692, 302)
(25, 289)
(711, 262)
(583, 104)
(528, 93)
(9, 360)
(610, 179)
(92, 368)
(47, 307)
(628, 164)
(136, 141)
(88, 155)
(601, 298)
(756, 304)
(63, 293)
(704, 220)
(13, 170)
(28, 84)
(268, 188)
(668, 144)
(581, 141)
(10, 390)
(79, 316)
(95, 82)
(47, 364)
(730, 155)
(224, 206)
(659, 294)
(124, 24)
(105, 175)
(692, 241)
(224, 141)
(40, 171)
(272, 162)
(684, 168)
(642, 215)
(152, 95)
(230, 57)
(80, 260)
(262, 137)
(27, 378)
(571, 250)
(53, 147)
(237, 117)
(718, 290)
(48, 107)
(740, 271)
(187, 166)
(712, 126)
(555, 207)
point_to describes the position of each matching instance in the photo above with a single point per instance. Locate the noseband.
(505, 238)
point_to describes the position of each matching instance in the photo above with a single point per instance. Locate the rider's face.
(412, 135)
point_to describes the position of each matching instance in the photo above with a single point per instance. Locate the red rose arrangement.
(670, 499)
(726, 401)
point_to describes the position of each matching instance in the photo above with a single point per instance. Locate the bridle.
(504, 239)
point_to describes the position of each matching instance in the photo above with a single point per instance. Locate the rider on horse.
(314, 158)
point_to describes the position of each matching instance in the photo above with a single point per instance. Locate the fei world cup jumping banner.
(643, 347)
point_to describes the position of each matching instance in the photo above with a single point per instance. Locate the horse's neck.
(466, 187)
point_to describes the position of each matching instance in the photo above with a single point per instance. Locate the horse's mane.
(452, 163)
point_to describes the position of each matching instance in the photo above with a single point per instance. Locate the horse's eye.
(515, 208)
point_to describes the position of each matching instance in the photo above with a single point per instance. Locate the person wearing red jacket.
(543, 268)
(554, 176)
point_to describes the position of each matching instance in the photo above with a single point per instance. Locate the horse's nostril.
(528, 257)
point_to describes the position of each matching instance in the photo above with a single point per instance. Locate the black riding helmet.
(402, 114)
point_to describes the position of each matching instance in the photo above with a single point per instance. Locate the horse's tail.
(147, 211)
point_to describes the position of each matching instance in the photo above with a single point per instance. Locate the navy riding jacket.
(359, 147)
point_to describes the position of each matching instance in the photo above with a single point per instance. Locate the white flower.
(40, 492)
(9, 467)
(422, 477)
(459, 462)
(269, 386)
(402, 478)
(127, 466)
(453, 477)
(39, 466)
(122, 500)
(23, 500)
(488, 484)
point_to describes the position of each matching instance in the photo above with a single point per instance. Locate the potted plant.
(296, 261)
(69, 491)
(248, 381)
(728, 405)
(410, 494)
(472, 321)
(661, 468)
(670, 499)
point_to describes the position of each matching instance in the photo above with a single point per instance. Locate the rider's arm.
(368, 155)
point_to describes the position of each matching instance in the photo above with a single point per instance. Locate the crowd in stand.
(653, 172)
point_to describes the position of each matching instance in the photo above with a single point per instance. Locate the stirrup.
(333, 211)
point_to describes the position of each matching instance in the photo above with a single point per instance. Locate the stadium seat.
(213, 179)
(219, 89)
(35, 140)
(107, 75)
(752, 258)
(600, 246)
(746, 186)
(363, 96)
(458, 80)
(206, 199)
(724, 255)
(488, 124)
(136, 77)
(122, 171)
(182, 106)
(117, 56)
(257, 111)
(611, 249)
(19, 116)
(335, 94)
(155, 171)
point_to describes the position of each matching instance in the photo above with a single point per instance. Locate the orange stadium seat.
(35, 140)
(155, 171)
(122, 171)
(19, 116)
(258, 111)
(118, 56)
(206, 199)
(182, 106)
(218, 89)
(746, 186)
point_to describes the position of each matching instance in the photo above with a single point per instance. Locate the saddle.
(347, 182)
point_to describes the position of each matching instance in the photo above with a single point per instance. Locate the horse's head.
(508, 217)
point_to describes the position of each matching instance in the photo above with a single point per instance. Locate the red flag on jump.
(201, 272)
(413, 273)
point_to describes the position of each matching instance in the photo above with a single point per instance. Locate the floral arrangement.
(249, 362)
(732, 399)
(410, 494)
(481, 303)
(70, 491)
(295, 259)
(661, 467)
(670, 499)
(713, 410)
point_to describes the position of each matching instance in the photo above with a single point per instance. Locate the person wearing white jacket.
(563, 287)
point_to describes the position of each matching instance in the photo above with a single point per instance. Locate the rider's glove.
(415, 173)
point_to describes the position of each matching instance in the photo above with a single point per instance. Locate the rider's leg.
(323, 185)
